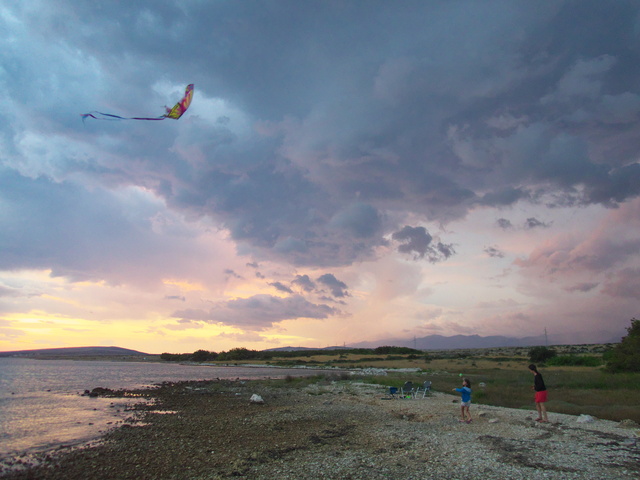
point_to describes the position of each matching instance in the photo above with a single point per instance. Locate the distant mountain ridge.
(440, 342)
(300, 349)
(431, 342)
(73, 351)
(456, 342)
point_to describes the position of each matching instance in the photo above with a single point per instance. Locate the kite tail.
(174, 113)
(111, 117)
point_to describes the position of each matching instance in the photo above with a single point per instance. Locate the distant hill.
(73, 351)
(300, 349)
(456, 342)
(439, 342)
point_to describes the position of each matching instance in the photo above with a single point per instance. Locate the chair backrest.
(427, 385)
(393, 390)
(407, 386)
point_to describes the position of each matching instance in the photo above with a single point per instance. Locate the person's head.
(466, 383)
(533, 368)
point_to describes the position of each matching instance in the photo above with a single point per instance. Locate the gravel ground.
(341, 430)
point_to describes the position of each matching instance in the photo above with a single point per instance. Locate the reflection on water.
(41, 404)
(36, 421)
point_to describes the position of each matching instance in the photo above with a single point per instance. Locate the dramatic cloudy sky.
(348, 171)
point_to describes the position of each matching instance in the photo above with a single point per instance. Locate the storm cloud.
(357, 150)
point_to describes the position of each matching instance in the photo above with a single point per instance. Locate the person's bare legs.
(542, 413)
(543, 410)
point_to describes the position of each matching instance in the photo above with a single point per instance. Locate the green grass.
(573, 390)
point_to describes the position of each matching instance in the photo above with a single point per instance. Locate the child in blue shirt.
(465, 392)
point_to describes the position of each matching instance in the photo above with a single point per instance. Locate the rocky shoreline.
(337, 430)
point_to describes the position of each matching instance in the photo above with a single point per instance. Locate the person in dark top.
(540, 396)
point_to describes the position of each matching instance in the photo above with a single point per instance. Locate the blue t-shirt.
(466, 393)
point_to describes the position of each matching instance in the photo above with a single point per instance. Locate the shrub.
(625, 356)
(541, 354)
(203, 356)
(574, 361)
(395, 350)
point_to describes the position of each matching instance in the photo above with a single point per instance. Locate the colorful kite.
(175, 112)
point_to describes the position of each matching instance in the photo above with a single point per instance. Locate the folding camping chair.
(407, 390)
(424, 389)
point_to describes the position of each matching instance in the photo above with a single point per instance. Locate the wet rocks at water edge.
(98, 392)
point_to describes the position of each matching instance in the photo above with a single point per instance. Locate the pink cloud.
(625, 284)
(616, 241)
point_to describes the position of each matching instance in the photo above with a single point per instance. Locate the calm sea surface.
(41, 406)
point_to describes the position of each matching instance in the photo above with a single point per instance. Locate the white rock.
(493, 420)
(255, 398)
(585, 419)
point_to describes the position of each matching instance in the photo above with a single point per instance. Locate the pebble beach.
(336, 430)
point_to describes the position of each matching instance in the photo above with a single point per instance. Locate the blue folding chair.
(393, 392)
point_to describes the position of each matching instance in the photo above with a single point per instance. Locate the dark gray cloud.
(86, 234)
(494, 252)
(258, 312)
(532, 222)
(304, 282)
(359, 220)
(419, 243)
(338, 288)
(504, 223)
(390, 121)
(529, 223)
(504, 197)
(231, 274)
(317, 130)
(582, 287)
(281, 287)
(175, 297)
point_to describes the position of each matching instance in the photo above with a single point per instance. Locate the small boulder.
(493, 420)
(97, 392)
(585, 419)
(627, 423)
(255, 398)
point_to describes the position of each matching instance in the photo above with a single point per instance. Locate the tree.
(239, 353)
(541, 354)
(625, 356)
(202, 356)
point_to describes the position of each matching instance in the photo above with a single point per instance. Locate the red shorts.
(541, 397)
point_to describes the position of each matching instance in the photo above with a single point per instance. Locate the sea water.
(42, 407)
